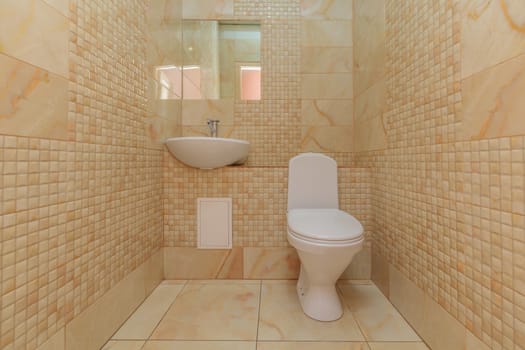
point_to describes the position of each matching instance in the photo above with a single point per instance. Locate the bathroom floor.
(262, 315)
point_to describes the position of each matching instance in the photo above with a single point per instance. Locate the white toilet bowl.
(325, 237)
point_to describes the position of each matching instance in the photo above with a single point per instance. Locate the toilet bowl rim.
(326, 243)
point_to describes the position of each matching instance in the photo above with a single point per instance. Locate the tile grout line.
(341, 295)
(164, 315)
(258, 314)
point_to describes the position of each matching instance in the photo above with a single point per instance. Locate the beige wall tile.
(327, 139)
(381, 273)
(311, 346)
(492, 106)
(192, 263)
(197, 112)
(123, 345)
(491, 32)
(326, 86)
(369, 43)
(55, 342)
(271, 263)
(407, 298)
(326, 112)
(61, 5)
(326, 33)
(397, 346)
(207, 9)
(436, 323)
(41, 40)
(35, 102)
(370, 135)
(326, 9)
(371, 103)
(326, 59)
(95, 325)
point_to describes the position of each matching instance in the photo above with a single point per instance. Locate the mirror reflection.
(221, 60)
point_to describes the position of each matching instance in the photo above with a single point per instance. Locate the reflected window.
(250, 82)
(169, 86)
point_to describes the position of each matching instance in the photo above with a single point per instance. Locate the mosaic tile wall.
(448, 203)
(81, 196)
(306, 105)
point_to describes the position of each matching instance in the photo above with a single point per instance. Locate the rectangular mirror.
(221, 60)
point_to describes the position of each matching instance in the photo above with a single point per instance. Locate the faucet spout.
(213, 125)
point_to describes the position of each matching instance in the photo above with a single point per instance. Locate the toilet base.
(320, 302)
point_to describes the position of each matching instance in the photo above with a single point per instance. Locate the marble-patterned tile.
(369, 43)
(41, 40)
(370, 135)
(326, 112)
(311, 345)
(326, 86)
(360, 267)
(492, 102)
(371, 103)
(192, 263)
(282, 318)
(95, 325)
(33, 101)
(326, 33)
(199, 345)
(327, 139)
(326, 59)
(159, 129)
(207, 9)
(212, 311)
(491, 32)
(61, 5)
(437, 322)
(197, 112)
(56, 341)
(326, 9)
(144, 320)
(377, 318)
(397, 346)
(408, 298)
(271, 263)
(123, 345)
(381, 273)
(474, 343)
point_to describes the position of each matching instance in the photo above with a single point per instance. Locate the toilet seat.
(324, 226)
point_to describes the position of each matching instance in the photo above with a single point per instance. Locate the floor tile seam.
(165, 312)
(349, 309)
(259, 312)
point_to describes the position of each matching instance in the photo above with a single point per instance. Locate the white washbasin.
(208, 152)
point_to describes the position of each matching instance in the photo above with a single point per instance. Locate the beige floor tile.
(398, 346)
(199, 345)
(311, 346)
(281, 318)
(212, 311)
(144, 320)
(378, 319)
(123, 345)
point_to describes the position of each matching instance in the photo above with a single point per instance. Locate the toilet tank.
(312, 182)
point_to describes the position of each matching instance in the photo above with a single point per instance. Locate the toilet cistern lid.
(324, 224)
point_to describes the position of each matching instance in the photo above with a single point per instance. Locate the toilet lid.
(324, 224)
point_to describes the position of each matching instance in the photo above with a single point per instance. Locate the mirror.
(221, 60)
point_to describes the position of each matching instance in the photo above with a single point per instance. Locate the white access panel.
(214, 223)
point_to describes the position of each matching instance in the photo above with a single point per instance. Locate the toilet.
(326, 238)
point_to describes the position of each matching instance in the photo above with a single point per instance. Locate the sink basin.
(208, 152)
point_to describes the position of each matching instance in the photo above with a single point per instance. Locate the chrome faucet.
(213, 125)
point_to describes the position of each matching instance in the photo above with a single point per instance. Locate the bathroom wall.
(307, 105)
(448, 189)
(80, 181)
